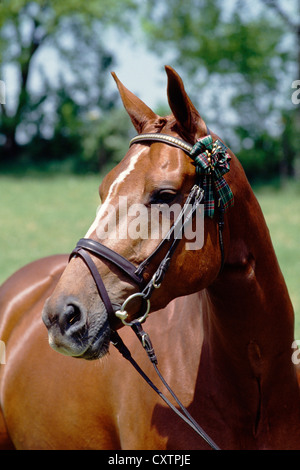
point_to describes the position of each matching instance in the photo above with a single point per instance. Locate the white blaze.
(112, 191)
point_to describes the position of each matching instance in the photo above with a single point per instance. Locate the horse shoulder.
(29, 285)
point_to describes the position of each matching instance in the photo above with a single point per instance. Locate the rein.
(210, 159)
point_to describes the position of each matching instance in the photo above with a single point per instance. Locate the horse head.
(152, 179)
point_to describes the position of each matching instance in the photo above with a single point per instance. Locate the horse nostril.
(72, 315)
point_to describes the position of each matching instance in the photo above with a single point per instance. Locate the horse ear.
(140, 114)
(189, 120)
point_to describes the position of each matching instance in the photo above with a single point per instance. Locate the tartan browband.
(212, 161)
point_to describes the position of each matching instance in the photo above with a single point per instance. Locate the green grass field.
(45, 215)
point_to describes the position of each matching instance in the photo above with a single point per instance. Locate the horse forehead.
(111, 187)
(166, 157)
(141, 164)
(114, 181)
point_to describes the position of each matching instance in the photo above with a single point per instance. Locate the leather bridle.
(170, 241)
(86, 246)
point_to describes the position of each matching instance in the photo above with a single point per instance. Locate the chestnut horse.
(222, 334)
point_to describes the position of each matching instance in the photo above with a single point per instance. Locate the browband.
(175, 141)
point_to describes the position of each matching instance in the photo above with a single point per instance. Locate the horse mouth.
(90, 343)
(98, 344)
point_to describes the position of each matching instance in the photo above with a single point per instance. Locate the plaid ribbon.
(212, 162)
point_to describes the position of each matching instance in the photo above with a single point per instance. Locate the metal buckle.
(155, 285)
(199, 195)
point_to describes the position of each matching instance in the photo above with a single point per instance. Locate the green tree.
(242, 56)
(47, 116)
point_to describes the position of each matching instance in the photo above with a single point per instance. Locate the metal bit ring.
(122, 313)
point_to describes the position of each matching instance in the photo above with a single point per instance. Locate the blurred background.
(62, 126)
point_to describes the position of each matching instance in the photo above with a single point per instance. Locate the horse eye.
(163, 196)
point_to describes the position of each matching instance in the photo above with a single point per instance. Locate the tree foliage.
(238, 57)
(242, 56)
(50, 117)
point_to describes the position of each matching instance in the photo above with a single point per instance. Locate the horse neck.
(251, 319)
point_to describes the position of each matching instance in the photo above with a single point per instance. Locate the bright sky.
(141, 71)
(143, 74)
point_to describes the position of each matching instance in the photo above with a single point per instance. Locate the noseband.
(86, 246)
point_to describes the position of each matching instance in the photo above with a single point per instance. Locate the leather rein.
(86, 246)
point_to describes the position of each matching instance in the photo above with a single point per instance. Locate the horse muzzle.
(71, 333)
